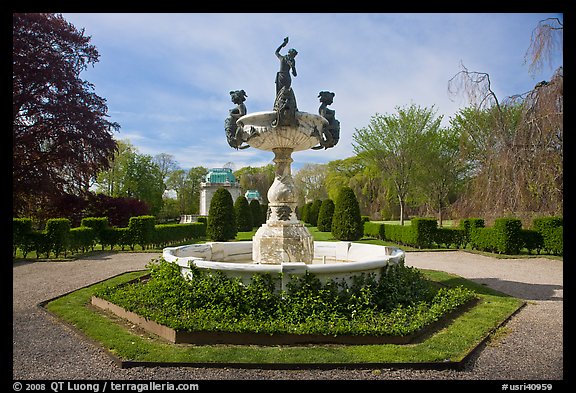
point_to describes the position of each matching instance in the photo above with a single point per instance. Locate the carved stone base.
(278, 242)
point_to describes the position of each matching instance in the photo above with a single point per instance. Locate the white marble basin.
(332, 260)
(260, 134)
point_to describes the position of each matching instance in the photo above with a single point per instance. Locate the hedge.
(82, 238)
(21, 228)
(142, 230)
(552, 231)
(506, 236)
(99, 224)
(58, 237)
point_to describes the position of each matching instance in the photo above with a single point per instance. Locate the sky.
(167, 76)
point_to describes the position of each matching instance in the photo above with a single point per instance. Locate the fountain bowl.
(332, 260)
(258, 131)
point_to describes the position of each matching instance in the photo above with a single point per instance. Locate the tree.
(112, 181)
(144, 181)
(186, 184)
(133, 175)
(166, 164)
(346, 221)
(309, 182)
(61, 135)
(257, 217)
(441, 172)
(313, 212)
(394, 144)
(515, 145)
(221, 224)
(325, 215)
(243, 214)
(260, 179)
(547, 39)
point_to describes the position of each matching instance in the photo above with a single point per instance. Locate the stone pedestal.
(283, 238)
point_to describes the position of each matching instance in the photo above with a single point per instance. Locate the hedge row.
(58, 238)
(506, 236)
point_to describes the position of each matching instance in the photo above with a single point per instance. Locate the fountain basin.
(258, 131)
(332, 260)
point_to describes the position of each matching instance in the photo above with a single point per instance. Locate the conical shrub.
(346, 221)
(325, 215)
(243, 214)
(221, 217)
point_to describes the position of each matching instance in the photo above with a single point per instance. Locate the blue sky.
(167, 77)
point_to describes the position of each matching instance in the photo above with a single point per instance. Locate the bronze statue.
(238, 97)
(287, 64)
(331, 132)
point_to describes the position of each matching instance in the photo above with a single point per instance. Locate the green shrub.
(99, 224)
(548, 228)
(313, 212)
(58, 235)
(346, 221)
(424, 231)
(399, 302)
(531, 240)
(374, 230)
(507, 235)
(221, 217)
(40, 242)
(21, 227)
(306, 212)
(256, 210)
(469, 224)
(483, 239)
(450, 237)
(243, 214)
(141, 230)
(325, 215)
(167, 234)
(82, 238)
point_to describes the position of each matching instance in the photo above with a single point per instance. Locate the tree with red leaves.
(61, 135)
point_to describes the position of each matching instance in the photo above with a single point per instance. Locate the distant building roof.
(252, 194)
(220, 175)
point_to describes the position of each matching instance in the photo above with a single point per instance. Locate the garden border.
(441, 365)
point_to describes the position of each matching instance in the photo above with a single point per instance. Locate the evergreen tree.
(325, 215)
(257, 217)
(244, 221)
(304, 213)
(221, 217)
(313, 212)
(346, 221)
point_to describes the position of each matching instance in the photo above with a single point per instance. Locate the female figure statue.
(287, 64)
(331, 132)
(238, 97)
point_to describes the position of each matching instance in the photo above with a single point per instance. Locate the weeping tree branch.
(546, 38)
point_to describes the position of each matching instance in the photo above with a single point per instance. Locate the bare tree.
(546, 40)
(515, 146)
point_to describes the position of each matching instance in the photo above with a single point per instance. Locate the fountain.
(283, 244)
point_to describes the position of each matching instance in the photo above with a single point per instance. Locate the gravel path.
(531, 349)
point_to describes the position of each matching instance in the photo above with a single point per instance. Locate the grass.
(453, 342)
